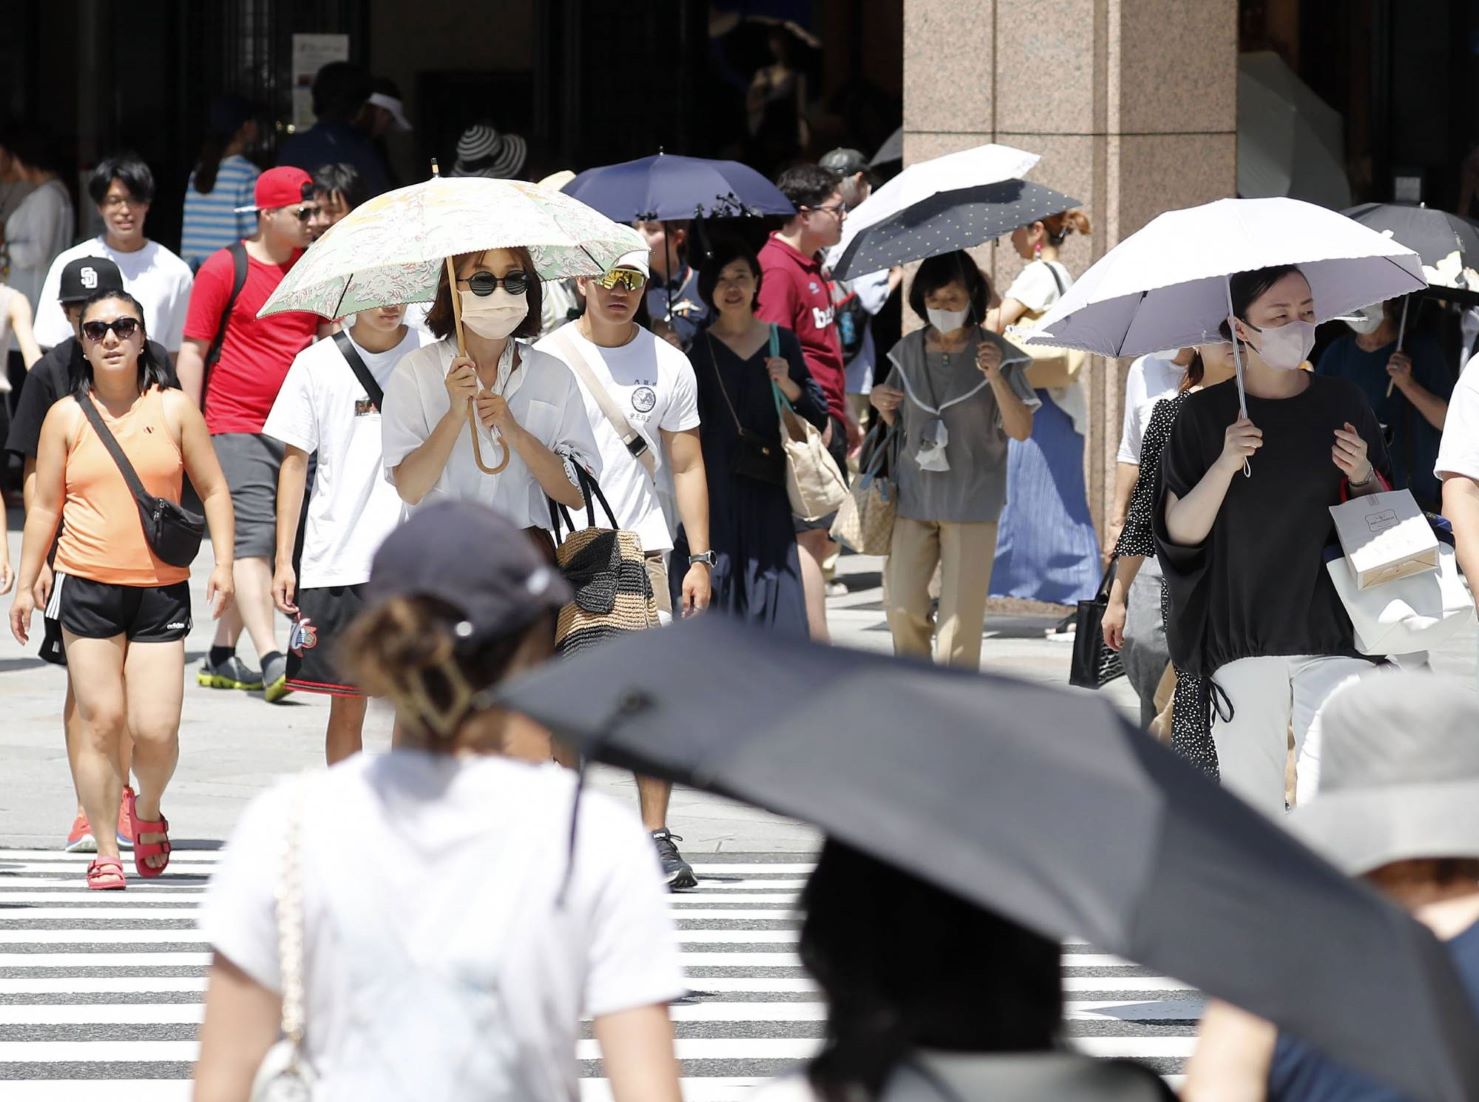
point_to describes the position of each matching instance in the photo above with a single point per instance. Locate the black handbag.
(755, 457)
(1094, 664)
(173, 533)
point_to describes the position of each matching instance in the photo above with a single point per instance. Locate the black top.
(53, 377)
(1257, 586)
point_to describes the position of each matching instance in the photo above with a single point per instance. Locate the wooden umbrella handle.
(472, 416)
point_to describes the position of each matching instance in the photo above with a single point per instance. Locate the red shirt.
(257, 351)
(794, 293)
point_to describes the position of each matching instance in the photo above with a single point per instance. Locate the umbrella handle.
(472, 417)
(1401, 333)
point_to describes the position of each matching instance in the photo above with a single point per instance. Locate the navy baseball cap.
(86, 276)
(472, 558)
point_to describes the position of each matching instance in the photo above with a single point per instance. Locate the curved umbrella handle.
(472, 417)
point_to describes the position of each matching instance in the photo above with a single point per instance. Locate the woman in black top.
(1241, 532)
(757, 576)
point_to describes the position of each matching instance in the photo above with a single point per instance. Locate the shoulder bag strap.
(357, 365)
(238, 281)
(782, 403)
(290, 922)
(1053, 271)
(718, 378)
(135, 485)
(635, 442)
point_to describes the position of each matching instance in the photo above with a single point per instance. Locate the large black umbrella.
(1039, 803)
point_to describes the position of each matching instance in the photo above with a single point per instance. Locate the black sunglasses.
(483, 284)
(97, 330)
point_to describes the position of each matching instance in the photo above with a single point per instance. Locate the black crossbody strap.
(718, 378)
(238, 281)
(131, 476)
(357, 365)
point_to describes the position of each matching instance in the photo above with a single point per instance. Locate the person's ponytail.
(1060, 225)
(211, 152)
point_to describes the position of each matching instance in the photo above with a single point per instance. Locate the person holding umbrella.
(1399, 808)
(527, 397)
(1407, 384)
(954, 403)
(1241, 530)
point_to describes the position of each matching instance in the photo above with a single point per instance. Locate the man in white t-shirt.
(123, 187)
(1458, 468)
(325, 410)
(651, 442)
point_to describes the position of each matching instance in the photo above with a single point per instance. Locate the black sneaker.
(676, 872)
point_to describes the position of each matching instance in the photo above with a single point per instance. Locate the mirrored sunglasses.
(622, 277)
(97, 330)
(484, 284)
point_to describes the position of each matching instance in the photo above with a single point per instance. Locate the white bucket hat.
(1399, 773)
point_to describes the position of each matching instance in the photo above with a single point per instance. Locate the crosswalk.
(107, 986)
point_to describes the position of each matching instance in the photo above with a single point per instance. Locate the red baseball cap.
(284, 186)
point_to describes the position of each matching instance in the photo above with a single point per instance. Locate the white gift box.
(1385, 537)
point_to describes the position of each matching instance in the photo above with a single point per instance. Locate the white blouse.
(544, 399)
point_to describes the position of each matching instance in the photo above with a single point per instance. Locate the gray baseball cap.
(844, 161)
(1399, 773)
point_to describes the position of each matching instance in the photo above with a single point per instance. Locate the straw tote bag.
(865, 522)
(608, 572)
(814, 485)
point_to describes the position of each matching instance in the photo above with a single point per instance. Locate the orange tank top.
(102, 533)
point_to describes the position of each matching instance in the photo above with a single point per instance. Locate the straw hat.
(1399, 773)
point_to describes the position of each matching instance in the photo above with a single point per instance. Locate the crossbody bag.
(172, 532)
(756, 458)
(361, 371)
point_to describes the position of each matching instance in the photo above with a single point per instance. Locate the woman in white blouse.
(524, 398)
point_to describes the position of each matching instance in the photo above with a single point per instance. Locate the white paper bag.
(1411, 614)
(1385, 537)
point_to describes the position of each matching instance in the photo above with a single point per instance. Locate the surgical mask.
(493, 316)
(1368, 319)
(947, 321)
(1286, 347)
(932, 440)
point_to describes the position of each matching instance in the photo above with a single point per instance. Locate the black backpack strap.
(357, 365)
(131, 476)
(238, 281)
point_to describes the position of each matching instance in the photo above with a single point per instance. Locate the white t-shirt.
(438, 961)
(1035, 287)
(654, 388)
(158, 278)
(323, 408)
(544, 400)
(1458, 454)
(1151, 378)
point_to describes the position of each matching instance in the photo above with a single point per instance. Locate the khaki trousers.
(964, 554)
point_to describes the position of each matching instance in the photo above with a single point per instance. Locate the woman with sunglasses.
(124, 612)
(524, 400)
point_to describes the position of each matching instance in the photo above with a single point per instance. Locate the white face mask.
(1286, 347)
(493, 316)
(947, 321)
(1368, 320)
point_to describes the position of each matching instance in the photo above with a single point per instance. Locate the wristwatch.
(708, 558)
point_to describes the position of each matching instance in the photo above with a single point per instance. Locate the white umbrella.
(1166, 285)
(1290, 141)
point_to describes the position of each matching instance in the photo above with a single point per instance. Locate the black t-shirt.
(53, 377)
(1257, 586)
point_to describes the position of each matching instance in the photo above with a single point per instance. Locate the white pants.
(1268, 697)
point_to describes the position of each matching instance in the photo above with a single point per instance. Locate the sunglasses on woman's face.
(483, 284)
(97, 330)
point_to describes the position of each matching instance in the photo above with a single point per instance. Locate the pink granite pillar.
(1131, 103)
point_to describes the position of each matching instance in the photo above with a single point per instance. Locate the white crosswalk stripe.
(107, 986)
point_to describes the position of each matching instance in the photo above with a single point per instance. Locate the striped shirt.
(211, 221)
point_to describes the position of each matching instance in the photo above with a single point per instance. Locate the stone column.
(1131, 103)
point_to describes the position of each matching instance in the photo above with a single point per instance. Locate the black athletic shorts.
(140, 613)
(323, 615)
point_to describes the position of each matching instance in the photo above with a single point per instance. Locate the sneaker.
(275, 680)
(676, 872)
(125, 821)
(837, 589)
(230, 674)
(79, 838)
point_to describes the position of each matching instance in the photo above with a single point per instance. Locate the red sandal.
(143, 849)
(106, 875)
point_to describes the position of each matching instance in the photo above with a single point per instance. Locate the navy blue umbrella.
(668, 188)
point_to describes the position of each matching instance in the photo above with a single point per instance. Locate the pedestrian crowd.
(391, 481)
